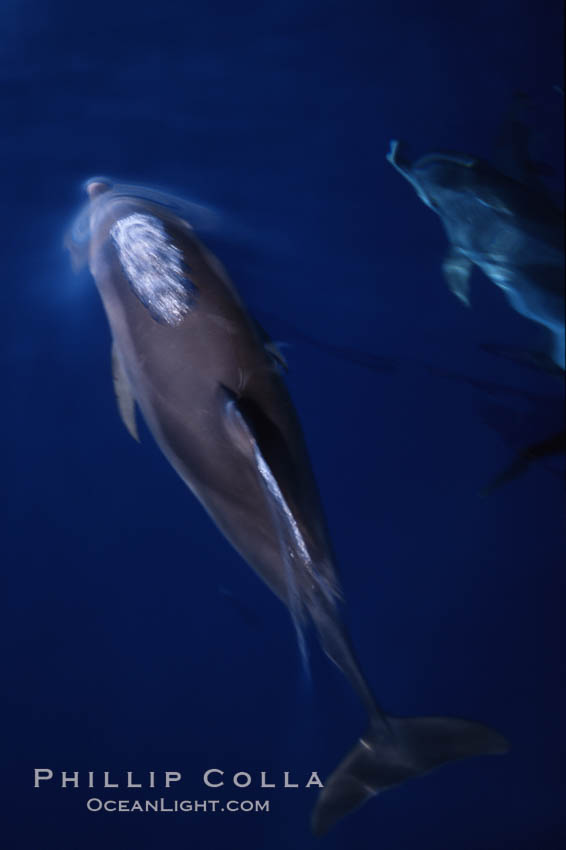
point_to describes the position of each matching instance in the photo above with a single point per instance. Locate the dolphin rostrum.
(511, 231)
(208, 384)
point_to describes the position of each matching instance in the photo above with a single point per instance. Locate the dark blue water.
(135, 638)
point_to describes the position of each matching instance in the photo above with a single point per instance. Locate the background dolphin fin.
(457, 269)
(537, 360)
(380, 761)
(124, 397)
(550, 446)
(558, 348)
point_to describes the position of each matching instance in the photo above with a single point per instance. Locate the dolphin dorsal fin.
(277, 358)
(124, 396)
(271, 348)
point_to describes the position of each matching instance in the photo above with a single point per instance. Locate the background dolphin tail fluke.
(385, 757)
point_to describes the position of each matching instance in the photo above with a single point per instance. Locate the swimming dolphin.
(511, 231)
(205, 379)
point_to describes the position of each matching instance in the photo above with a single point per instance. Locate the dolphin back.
(399, 749)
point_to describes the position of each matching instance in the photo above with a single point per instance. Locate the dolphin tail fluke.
(393, 750)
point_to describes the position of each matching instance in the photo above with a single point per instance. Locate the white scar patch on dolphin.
(154, 267)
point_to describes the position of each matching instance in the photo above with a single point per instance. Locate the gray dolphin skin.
(511, 231)
(208, 384)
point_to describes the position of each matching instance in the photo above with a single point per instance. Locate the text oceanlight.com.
(188, 806)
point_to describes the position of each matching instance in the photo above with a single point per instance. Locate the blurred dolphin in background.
(509, 229)
(540, 450)
(530, 423)
(207, 381)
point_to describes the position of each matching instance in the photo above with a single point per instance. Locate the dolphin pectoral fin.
(386, 756)
(124, 397)
(457, 269)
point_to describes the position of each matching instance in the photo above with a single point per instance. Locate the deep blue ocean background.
(135, 638)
